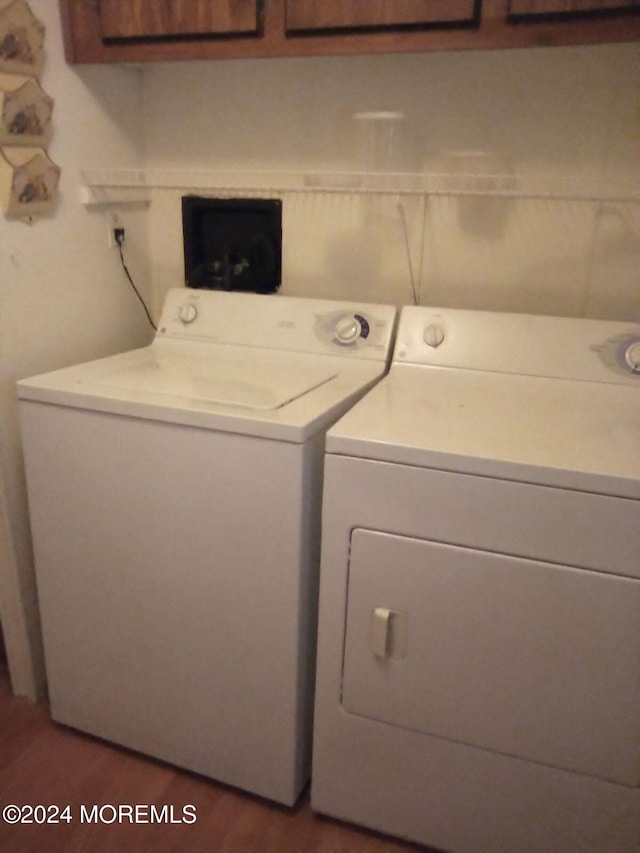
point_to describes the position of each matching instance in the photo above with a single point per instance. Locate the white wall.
(550, 112)
(63, 299)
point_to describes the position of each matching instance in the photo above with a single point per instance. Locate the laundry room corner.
(63, 298)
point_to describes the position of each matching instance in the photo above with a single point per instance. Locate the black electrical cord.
(137, 293)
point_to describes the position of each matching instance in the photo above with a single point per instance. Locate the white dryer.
(175, 496)
(478, 677)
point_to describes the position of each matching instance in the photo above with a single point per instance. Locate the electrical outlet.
(115, 231)
(116, 236)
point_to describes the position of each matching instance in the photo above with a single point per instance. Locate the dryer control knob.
(433, 335)
(348, 329)
(632, 356)
(187, 313)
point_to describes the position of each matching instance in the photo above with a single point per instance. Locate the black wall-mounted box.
(232, 243)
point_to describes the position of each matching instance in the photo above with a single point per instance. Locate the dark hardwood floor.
(42, 763)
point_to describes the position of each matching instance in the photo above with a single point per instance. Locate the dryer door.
(525, 658)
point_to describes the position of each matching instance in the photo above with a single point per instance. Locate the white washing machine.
(478, 678)
(175, 497)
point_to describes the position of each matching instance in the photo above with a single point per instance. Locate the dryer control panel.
(529, 345)
(279, 322)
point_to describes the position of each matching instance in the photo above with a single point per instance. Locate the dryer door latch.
(389, 633)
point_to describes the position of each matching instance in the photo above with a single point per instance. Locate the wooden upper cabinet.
(313, 17)
(136, 19)
(536, 8)
(156, 30)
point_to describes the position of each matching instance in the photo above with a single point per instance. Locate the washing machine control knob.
(433, 335)
(187, 313)
(348, 329)
(632, 356)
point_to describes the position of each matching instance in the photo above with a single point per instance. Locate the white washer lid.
(263, 393)
(227, 378)
(557, 432)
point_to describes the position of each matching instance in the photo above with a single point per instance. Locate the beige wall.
(63, 299)
(545, 113)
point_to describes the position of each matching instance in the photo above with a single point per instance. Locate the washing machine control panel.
(295, 324)
(349, 328)
(357, 330)
(187, 313)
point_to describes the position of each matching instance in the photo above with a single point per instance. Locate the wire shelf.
(136, 186)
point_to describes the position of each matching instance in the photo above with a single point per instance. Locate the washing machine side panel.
(436, 791)
(525, 658)
(307, 627)
(170, 573)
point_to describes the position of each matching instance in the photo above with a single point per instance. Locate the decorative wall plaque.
(28, 181)
(25, 111)
(21, 39)
(28, 177)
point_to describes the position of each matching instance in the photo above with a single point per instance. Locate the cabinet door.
(535, 8)
(135, 19)
(159, 30)
(315, 16)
